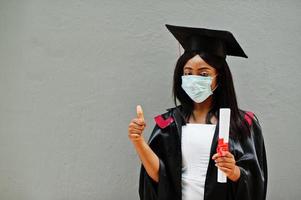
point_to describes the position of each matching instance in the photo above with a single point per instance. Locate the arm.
(149, 189)
(154, 184)
(252, 183)
(148, 158)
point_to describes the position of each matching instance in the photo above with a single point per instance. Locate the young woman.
(181, 158)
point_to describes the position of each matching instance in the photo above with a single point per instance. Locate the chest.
(196, 142)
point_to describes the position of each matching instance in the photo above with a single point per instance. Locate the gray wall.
(72, 73)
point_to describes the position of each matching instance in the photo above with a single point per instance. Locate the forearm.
(148, 158)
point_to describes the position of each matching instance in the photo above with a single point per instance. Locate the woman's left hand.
(227, 164)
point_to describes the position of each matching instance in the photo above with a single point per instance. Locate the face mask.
(197, 87)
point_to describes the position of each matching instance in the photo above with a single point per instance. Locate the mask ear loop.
(216, 84)
(214, 88)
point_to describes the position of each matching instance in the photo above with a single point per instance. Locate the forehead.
(197, 62)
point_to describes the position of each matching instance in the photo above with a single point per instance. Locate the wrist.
(236, 174)
(138, 142)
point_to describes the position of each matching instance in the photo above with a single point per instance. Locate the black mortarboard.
(217, 42)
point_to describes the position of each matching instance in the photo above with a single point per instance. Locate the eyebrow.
(198, 68)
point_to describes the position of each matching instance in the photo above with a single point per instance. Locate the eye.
(187, 73)
(204, 74)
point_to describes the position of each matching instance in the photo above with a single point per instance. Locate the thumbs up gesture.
(136, 126)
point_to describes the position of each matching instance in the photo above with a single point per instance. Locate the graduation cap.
(216, 42)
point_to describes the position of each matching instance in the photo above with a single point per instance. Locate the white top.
(196, 144)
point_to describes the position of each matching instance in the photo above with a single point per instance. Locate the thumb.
(140, 113)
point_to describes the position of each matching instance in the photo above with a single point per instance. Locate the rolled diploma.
(224, 124)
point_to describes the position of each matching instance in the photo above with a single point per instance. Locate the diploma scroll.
(224, 125)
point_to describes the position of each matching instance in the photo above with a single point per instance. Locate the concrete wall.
(72, 73)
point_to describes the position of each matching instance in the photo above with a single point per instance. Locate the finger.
(134, 135)
(136, 126)
(135, 131)
(224, 159)
(140, 114)
(138, 122)
(228, 154)
(138, 131)
(226, 165)
(216, 155)
(225, 162)
(225, 170)
(230, 168)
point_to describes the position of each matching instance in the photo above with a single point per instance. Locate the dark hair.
(223, 96)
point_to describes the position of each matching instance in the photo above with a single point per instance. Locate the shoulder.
(163, 121)
(249, 116)
(255, 127)
(166, 118)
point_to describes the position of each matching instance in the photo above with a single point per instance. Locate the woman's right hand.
(147, 156)
(136, 126)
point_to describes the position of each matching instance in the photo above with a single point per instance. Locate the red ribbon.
(222, 147)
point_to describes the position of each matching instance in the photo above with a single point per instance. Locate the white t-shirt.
(196, 144)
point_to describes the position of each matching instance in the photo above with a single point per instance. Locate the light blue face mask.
(197, 87)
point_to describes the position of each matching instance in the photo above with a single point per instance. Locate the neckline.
(200, 124)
